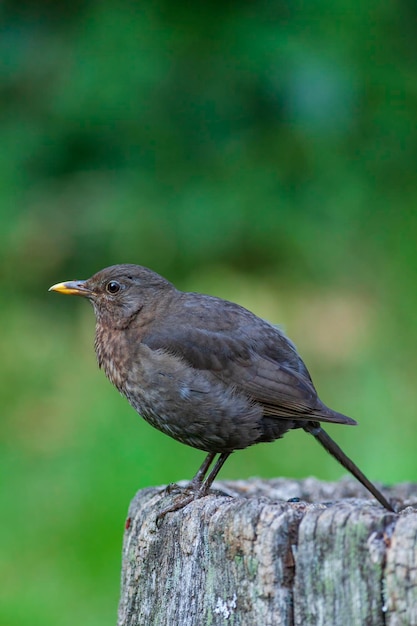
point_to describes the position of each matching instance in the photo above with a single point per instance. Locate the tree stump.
(248, 556)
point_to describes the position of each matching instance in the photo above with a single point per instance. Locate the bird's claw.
(186, 495)
(172, 488)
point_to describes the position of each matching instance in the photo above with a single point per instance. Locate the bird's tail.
(331, 446)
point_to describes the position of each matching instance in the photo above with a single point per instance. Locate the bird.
(203, 370)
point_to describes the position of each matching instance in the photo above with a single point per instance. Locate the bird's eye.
(113, 287)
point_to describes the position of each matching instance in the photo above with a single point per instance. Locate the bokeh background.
(264, 152)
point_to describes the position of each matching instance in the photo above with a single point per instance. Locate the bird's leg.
(331, 446)
(197, 488)
(195, 484)
(216, 469)
(197, 481)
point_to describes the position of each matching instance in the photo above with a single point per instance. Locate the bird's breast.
(112, 355)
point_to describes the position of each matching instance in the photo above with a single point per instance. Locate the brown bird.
(203, 370)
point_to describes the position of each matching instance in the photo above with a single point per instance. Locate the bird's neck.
(115, 346)
(111, 353)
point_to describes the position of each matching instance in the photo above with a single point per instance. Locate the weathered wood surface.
(334, 558)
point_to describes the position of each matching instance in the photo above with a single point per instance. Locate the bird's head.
(118, 293)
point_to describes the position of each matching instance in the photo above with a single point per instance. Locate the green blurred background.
(264, 152)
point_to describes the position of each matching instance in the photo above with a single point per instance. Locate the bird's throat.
(111, 354)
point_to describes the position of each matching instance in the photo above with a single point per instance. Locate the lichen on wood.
(247, 556)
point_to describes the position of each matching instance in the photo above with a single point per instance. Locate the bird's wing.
(267, 370)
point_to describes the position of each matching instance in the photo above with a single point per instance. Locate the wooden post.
(255, 559)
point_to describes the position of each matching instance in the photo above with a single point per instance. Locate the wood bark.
(247, 556)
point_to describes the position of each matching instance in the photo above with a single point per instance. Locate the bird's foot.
(191, 487)
(178, 504)
(186, 495)
(173, 488)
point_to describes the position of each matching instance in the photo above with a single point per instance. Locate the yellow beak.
(72, 288)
